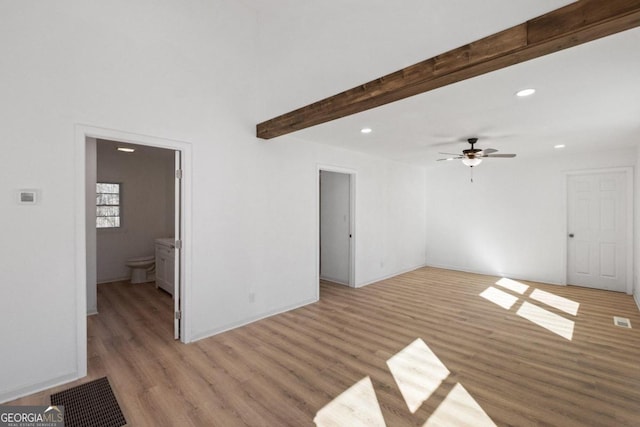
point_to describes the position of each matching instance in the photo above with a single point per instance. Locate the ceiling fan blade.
(489, 150)
(504, 156)
(450, 158)
(451, 154)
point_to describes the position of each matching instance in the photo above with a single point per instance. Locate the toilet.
(142, 269)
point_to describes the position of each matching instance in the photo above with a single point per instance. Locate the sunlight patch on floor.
(540, 316)
(459, 409)
(499, 297)
(512, 285)
(357, 406)
(548, 320)
(418, 373)
(555, 301)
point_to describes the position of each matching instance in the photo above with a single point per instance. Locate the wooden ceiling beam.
(569, 26)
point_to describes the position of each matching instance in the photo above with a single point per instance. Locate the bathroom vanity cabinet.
(165, 264)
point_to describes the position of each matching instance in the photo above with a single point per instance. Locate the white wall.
(265, 233)
(184, 71)
(335, 224)
(512, 220)
(147, 178)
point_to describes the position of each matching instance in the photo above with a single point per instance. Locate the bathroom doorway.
(149, 206)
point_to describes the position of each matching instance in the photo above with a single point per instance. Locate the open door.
(177, 290)
(336, 227)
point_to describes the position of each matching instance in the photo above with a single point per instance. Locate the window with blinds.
(108, 205)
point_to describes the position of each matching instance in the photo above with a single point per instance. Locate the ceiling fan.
(473, 156)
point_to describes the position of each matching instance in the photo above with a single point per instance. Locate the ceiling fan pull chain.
(471, 168)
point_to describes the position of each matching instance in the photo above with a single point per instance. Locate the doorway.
(86, 138)
(336, 226)
(600, 230)
(137, 220)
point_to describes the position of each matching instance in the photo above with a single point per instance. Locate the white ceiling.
(587, 98)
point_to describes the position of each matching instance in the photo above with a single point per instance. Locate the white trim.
(352, 221)
(177, 233)
(80, 255)
(564, 210)
(329, 279)
(82, 132)
(233, 325)
(494, 274)
(398, 273)
(37, 387)
(628, 171)
(636, 298)
(630, 230)
(352, 227)
(123, 279)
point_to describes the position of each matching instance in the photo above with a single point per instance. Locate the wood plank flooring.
(283, 370)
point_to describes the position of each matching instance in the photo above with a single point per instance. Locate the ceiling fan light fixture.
(471, 162)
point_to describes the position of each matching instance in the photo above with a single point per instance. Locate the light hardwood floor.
(283, 370)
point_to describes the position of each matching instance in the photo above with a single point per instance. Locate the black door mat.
(90, 405)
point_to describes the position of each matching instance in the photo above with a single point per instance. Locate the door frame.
(82, 133)
(352, 221)
(628, 172)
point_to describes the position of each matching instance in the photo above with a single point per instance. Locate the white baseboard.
(9, 395)
(496, 274)
(122, 279)
(92, 312)
(234, 325)
(329, 279)
(389, 276)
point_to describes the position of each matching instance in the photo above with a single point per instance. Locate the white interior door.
(335, 227)
(177, 290)
(597, 231)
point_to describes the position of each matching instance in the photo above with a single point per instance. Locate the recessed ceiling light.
(126, 149)
(366, 130)
(559, 146)
(525, 92)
